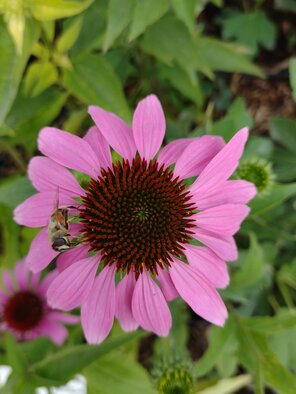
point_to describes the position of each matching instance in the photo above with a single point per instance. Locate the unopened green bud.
(257, 171)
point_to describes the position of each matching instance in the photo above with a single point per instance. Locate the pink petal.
(47, 175)
(225, 219)
(100, 146)
(53, 330)
(41, 253)
(68, 258)
(124, 294)
(222, 165)
(197, 156)
(62, 317)
(198, 293)
(8, 281)
(35, 279)
(223, 245)
(172, 151)
(235, 192)
(68, 150)
(115, 130)
(148, 127)
(3, 298)
(72, 286)
(97, 313)
(37, 209)
(167, 287)
(149, 306)
(208, 264)
(22, 275)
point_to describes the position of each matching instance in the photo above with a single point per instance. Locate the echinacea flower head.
(139, 221)
(24, 310)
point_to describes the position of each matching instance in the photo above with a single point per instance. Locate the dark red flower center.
(137, 215)
(23, 311)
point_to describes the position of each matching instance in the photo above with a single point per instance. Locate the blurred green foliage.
(58, 57)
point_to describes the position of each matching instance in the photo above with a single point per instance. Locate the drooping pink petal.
(149, 306)
(115, 130)
(124, 294)
(230, 192)
(72, 286)
(148, 127)
(197, 156)
(221, 166)
(208, 264)
(223, 245)
(167, 287)
(41, 253)
(97, 312)
(62, 317)
(35, 279)
(21, 275)
(100, 146)
(46, 175)
(173, 150)
(8, 282)
(68, 150)
(37, 209)
(53, 330)
(225, 219)
(194, 288)
(71, 256)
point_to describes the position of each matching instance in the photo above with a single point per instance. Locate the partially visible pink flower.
(23, 308)
(139, 218)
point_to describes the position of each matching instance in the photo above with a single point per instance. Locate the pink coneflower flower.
(139, 218)
(23, 308)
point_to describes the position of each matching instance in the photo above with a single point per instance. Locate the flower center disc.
(23, 311)
(136, 215)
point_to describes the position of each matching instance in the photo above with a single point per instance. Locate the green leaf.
(29, 115)
(257, 30)
(39, 77)
(284, 164)
(185, 11)
(223, 56)
(292, 72)
(228, 386)
(69, 36)
(236, 118)
(62, 365)
(251, 270)
(146, 12)
(170, 42)
(12, 65)
(276, 195)
(9, 237)
(114, 376)
(15, 356)
(272, 325)
(119, 16)
(283, 130)
(46, 10)
(94, 81)
(15, 190)
(258, 147)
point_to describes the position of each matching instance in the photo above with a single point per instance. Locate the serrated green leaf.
(257, 29)
(119, 16)
(39, 77)
(94, 81)
(146, 12)
(185, 11)
(69, 36)
(46, 10)
(62, 365)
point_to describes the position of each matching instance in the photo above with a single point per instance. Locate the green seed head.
(257, 171)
